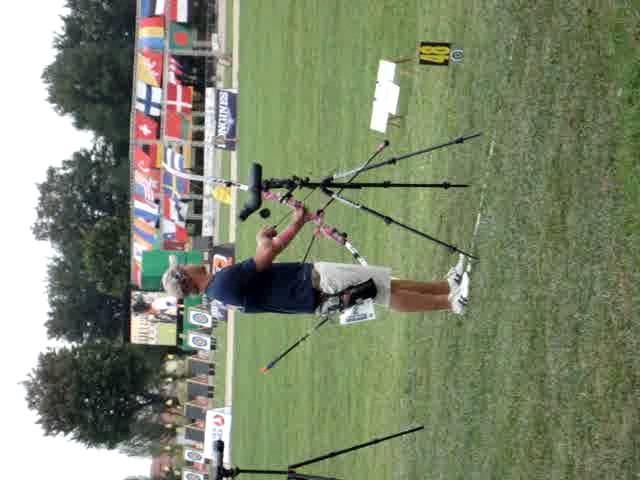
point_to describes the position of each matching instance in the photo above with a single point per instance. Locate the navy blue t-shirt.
(282, 288)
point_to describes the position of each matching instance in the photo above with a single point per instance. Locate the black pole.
(273, 362)
(394, 160)
(380, 148)
(385, 184)
(390, 221)
(303, 476)
(355, 447)
(262, 472)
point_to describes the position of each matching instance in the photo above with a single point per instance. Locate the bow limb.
(322, 229)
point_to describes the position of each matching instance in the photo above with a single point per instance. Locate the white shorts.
(334, 277)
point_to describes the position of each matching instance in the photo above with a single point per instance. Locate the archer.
(260, 284)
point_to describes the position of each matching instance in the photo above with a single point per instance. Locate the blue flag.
(152, 7)
(148, 99)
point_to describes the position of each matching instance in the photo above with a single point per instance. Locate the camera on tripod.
(219, 472)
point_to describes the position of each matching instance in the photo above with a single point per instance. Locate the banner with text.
(226, 118)
(218, 427)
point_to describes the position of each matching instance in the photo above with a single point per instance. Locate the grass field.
(541, 379)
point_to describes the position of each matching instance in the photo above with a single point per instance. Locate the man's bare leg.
(434, 288)
(408, 301)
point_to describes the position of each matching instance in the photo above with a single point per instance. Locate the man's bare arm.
(270, 245)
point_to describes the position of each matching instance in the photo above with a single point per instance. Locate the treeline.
(98, 390)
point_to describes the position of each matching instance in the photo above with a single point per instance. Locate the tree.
(91, 76)
(89, 186)
(105, 251)
(94, 393)
(82, 210)
(78, 311)
(148, 438)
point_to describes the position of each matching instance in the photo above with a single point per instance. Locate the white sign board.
(218, 427)
(191, 475)
(200, 318)
(208, 203)
(192, 455)
(199, 341)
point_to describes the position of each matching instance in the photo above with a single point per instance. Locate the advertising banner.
(226, 118)
(218, 427)
(153, 318)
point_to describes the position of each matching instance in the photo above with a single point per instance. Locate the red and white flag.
(145, 186)
(179, 10)
(174, 231)
(146, 128)
(159, 10)
(175, 70)
(142, 161)
(176, 211)
(179, 98)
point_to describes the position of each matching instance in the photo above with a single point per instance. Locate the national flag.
(179, 10)
(142, 161)
(177, 126)
(143, 230)
(144, 189)
(182, 235)
(175, 70)
(145, 169)
(168, 229)
(137, 252)
(152, 22)
(151, 33)
(179, 98)
(187, 154)
(173, 245)
(152, 7)
(146, 210)
(174, 185)
(136, 274)
(148, 99)
(174, 209)
(150, 67)
(142, 243)
(180, 37)
(174, 160)
(156, 153)
(146, 128)
(139, 247)
(176, 232)
(146, 186)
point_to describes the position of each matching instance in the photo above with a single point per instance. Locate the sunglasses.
(184, 280)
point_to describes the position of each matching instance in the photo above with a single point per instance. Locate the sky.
(34, 137)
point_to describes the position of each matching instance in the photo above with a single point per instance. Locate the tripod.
(220, 472)
(328, 184)
(327, 187)
(257, 186)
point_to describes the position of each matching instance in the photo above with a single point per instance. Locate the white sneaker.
(459, 298)
(454, 276)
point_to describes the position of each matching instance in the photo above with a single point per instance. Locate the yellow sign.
(222, 194)
(434, 53)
